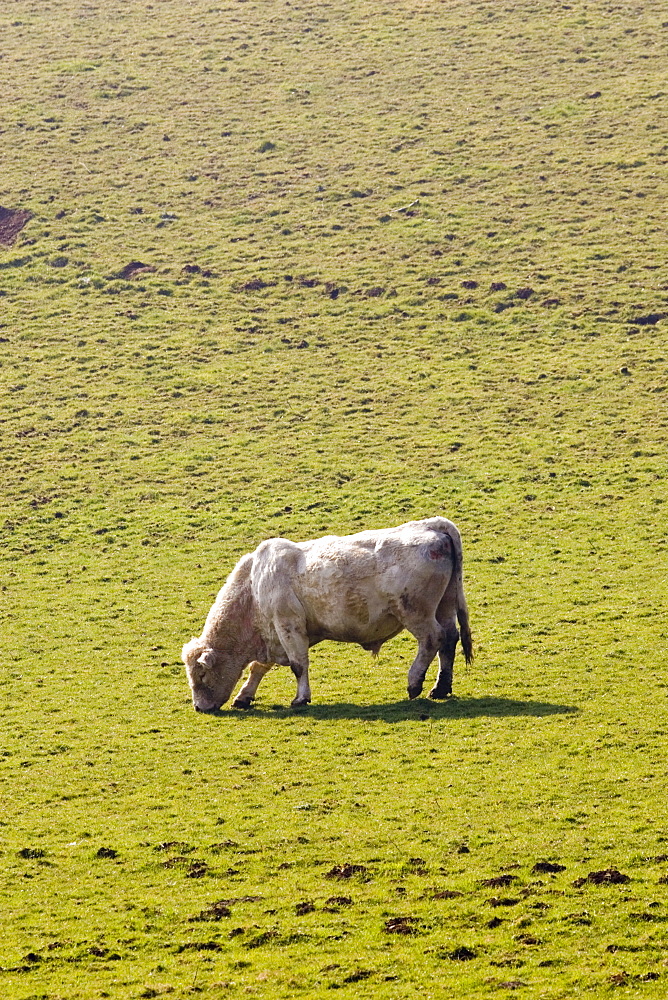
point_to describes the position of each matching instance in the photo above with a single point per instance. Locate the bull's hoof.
(300, 702)
(440, 693)
(415, 692)
(242, 703)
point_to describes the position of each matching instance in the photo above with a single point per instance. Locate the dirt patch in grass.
(334, 903)
(106, 852)
(12, 221)
(460, 954)
(607, 876)
(346, 871)
(134, 268)
(547, 868)
(401, 925)
(498, 881)
(214, 912)
(301, 909)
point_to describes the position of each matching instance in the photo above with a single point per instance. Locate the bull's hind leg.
(429, 637)
(248, 691)
(446, 615)
(446, 658)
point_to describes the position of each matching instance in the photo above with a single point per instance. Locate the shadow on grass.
(419, 710)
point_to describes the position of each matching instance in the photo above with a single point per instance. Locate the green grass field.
(397, 260)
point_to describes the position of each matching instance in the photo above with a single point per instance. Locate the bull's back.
(353, 588)
(342, 591)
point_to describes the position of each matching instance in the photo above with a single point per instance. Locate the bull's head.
(211, 675)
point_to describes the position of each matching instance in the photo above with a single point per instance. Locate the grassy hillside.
(306, 268)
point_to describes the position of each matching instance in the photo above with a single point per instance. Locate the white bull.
(364, 588)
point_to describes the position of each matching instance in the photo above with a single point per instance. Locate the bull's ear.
(208, 658)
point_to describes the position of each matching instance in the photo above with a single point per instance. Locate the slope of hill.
(297, 269)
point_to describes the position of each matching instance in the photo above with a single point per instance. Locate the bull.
(365, 588)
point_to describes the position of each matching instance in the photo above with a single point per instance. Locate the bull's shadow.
(420, 710)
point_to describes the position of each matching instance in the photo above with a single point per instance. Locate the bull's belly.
(361, 632)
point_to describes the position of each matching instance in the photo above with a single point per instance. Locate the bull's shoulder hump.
(274, 553)
(275, 545)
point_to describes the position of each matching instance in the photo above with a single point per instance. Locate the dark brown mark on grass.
(649, 918)
(401, 925)
(650, 319)
(607, 876)
(461, 954)
(357, 976)
(548, 868)
(134, 268)
(252, 285)
(345, 871)
(335, 902)
(223, 845)
(498, 881)
(12, 221)
(301, 909)
(199, 946)
(214, 912)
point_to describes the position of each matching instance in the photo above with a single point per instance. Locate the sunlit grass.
(398, 260)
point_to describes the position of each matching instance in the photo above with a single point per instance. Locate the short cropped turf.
(273, 268)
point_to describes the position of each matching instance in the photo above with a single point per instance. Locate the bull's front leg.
(429, 642)
(446, 658)
(294, 640)
(248, 691)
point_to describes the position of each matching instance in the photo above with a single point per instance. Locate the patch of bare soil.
(401, 925)
(134, 268)
(106, 852)
(198, 946)
(334, 902)
(548, 868)
(12, 221)
(607, 876)
(498, 881)
(358, 976)
(345, 871)
(461, 954)
(253, 285)
(195, 868)
(301, 909)
(214, 912)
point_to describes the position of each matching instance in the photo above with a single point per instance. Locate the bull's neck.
(231, 628)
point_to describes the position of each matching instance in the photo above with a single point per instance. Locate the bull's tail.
(465, 629)
(462, 609)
